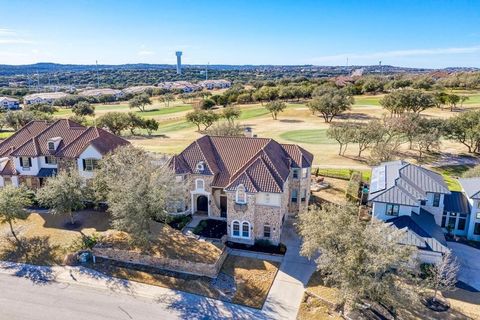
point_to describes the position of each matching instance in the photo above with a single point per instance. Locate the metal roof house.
(411, 198)
(471, 200)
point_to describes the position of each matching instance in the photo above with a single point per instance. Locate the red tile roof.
(260, 164)
(32, 140)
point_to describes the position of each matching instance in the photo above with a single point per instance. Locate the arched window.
(241, 196)
(245, 229)
(200, 166)
(199, 184)
(236, 229)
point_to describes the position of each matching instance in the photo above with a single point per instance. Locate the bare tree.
(442, 276)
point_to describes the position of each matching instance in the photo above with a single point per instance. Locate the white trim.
(236, 194)
(240, 236)
(196, 184)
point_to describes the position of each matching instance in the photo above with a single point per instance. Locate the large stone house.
(39, 149)
(252, 183)
(417, 200)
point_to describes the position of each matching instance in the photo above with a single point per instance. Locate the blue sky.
(427, 33)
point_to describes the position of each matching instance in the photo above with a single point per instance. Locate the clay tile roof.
(32, 140)
(261, 164)
(9, 169)
(22, 136)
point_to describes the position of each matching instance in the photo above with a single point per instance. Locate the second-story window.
(294, 196)
(90, 164)
(304, 172)
(200, 166)
(51, 145)
(50, 160)
(392, 210)
(436, 199)
(241, 196)
(26, 163)
(295, 174)
(199, 184)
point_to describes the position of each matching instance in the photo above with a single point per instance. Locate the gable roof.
(404, 183)
(471, 186)
(421, 231)
(32, 140)
(260, 164)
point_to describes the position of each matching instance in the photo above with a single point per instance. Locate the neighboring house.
(183, 86)
(7, 103)
(413, 199)
(118, 94)
(471, 195)
(252, 183)
(45, 97)
(215, 84)
(39, 149)
(137, 89)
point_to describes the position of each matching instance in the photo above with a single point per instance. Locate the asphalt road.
(20, 298)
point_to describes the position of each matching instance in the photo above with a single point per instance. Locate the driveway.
(469, 259)
(287, 290)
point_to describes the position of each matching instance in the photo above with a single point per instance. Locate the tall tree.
(364, 260)
(13, 203)
(465, 128)
(116, 122)
(64, 193)
(137, 189)
(452, 100)
(83, 108)
(275, 107)
(343, 133)
(231, 113)
(140, 101)
(330, 102)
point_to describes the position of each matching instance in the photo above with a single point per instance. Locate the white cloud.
(396, 54)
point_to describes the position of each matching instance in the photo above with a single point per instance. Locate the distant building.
(7, 103)
(137, 89)
(44, 97)
(215, 84)
(183, 86)
(179, 61)
(118, 94)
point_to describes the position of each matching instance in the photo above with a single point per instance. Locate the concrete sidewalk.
(285, 296)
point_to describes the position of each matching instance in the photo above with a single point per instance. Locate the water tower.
(179, 62)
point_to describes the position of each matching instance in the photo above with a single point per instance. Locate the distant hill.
(47, 67)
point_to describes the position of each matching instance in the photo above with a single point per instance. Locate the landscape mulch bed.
(263, 248)
(211, 228)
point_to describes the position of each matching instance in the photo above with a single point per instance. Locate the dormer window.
(200, 166)
(241, 195)
(53, 143)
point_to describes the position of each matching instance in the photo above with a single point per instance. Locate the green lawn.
(162, 111)
(6, 134)
(315, 136)
(450, 175)
(367, 100)
(344, 174)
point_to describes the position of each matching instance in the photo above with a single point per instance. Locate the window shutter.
(46, 160)
(21, 162)
(83, 162)
(29, 162)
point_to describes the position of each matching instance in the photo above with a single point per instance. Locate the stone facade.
(30, 182)
(300, 184)
(184, 266)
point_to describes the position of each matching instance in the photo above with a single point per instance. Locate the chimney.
(248, 132)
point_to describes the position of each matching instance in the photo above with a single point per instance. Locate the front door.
(202, 204)
(223, 206)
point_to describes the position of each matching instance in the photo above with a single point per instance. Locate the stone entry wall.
(176, 265)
